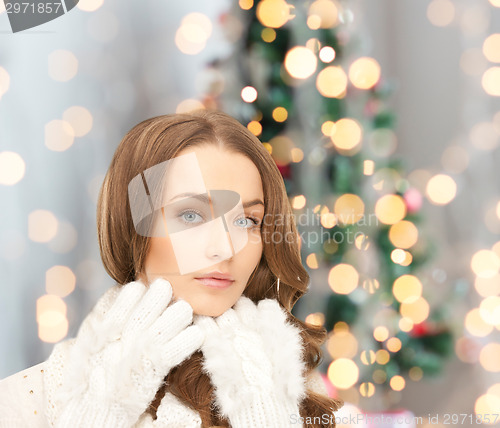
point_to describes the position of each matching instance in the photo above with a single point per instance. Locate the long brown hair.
(123, 251)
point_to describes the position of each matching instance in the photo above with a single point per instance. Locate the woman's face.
(220, 170)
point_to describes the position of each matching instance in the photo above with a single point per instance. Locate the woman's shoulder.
(22, 399)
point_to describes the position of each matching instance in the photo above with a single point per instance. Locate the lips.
(216, 279)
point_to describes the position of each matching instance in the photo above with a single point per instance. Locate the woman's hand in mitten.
(120, 356)
(253, 356)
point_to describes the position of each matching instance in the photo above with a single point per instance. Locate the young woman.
(195, 227)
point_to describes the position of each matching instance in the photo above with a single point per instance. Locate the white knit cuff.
(266, 410)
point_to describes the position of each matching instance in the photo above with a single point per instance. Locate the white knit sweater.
(25, 397)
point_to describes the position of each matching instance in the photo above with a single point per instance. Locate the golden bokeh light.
(491, 81)
(489, 357)
(364, 73)
(485, 263)
(495, 3)
(12, 168)
(249, 94)
(268, 35)
(343, 373)
(475, 324)
(282, 149)
(405, 324)
(346, 134)
(328, 128)
(371, 285)
(487, 404)
(4, 81)
(382, 357)
(417, 311)
(193, 32)
(367, 389)
(491, 47)
(397, 383)
(489, 309)
(327, 54)
(316, 318)
(59, 135)
(255, 127)
(332, 82)
(63, 65)
(312, 261)
(407, 289)
(367, 357)
(390, 209)
(42, 226)
(398, 256)
(60, 281)
(189, 104)
(441, 189)
(380, 333)
(80, 120)
(368, 167)
(299, 202)
(349, 208)
(273, 13)
(280, 114)
(51, 318)
(297, 154)
(416, 373)
(328, 220)
(300, 62)
(89, 5)
(403, 234)
(361, 241)
(325, 12)
(394, 344)
(484, 136)
(245, 4)
(343, 278)
(342, 344)
(486, 287)
(441, 12)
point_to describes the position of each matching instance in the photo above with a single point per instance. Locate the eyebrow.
(204, 198)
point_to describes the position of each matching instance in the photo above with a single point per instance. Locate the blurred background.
(384, 120)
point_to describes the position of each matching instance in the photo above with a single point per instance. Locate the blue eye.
(255, 222)
(188, 217)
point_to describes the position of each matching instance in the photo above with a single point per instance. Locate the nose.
(218, 245)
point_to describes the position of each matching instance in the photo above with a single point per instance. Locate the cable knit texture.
(252, 352)
(109, 373)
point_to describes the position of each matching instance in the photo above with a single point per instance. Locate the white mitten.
(120, 356)
(253, 356)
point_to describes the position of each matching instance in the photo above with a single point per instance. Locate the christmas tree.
(321, 110)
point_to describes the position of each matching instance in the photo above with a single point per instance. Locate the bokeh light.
(441, 189)
(331, 82)
(63, 65)
(364, 73)
(12, 168)
(346, 134)
(407, 289)
(343, 373)
(403, 234)
(273, 13)
(343, 278)
(249, 94)
(60, 281)
(59, 135)
(327, 54)
(42, 225)
(441, 12)
(300, 62)
(491, 47)
(485, 263)
(89, 5)
(491, 81)
(390, 209)
(349, 208)
(80, 120)
(192, 35)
